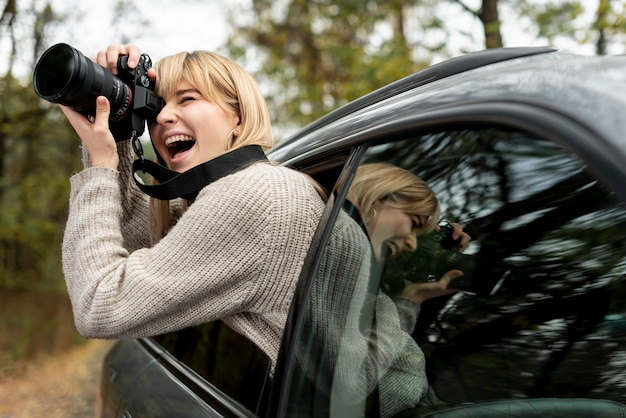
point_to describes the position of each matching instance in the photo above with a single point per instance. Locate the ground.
(55, 386)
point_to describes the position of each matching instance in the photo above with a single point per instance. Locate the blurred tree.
(7, 22)
(609, 25)
(490, 19)
(37, 152)
(128, 20)
(314, 56)
(552, 18)
(318, 55)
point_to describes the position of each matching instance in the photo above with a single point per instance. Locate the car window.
(226, 359)
(542, 308)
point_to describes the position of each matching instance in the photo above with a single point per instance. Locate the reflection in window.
(544, 310)
(542, 223)
(225, 358)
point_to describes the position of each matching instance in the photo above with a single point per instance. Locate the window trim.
(221, 404)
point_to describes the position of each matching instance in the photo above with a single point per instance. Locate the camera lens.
(64, 75)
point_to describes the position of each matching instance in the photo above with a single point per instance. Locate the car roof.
(587, 89)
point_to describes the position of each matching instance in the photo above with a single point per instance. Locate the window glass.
(550, 238)
(226, 359)
(542, 306)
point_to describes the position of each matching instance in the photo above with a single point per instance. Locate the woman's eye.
(186, 99)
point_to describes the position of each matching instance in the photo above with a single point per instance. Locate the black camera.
(435, 256)
(64, 75)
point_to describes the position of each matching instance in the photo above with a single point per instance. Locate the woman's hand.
(462, 237)
(95, 133)
(421, 291)
(96, 136)
(108, 58)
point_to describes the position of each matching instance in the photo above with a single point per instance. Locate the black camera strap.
(189, 183)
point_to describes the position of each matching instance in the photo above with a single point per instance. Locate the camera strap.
(189, 183)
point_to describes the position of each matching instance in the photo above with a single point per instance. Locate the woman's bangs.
(170, 71)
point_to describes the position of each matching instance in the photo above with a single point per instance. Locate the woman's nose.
(166, 115)
(410, 243)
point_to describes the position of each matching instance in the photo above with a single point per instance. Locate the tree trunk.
(602, 12)
(491, 23)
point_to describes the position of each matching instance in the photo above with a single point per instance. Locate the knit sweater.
(234, 255)
(358, 339)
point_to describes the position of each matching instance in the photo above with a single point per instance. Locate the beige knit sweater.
(234, 255)
(357, 341)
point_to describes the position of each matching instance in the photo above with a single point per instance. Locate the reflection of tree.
(534, 210)
(451, 163)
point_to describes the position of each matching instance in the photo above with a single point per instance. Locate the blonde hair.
(400, 188)
(224, 83)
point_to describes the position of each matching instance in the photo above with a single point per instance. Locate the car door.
(539, 324)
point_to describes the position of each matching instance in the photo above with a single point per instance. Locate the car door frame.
(535, 118)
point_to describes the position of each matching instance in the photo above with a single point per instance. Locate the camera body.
(64, 75)
(146, 104)
(436, 255)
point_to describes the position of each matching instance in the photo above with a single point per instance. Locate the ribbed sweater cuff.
(88, 175)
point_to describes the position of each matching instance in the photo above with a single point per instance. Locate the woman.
(234, 253)
(396, 207)
(364, 335)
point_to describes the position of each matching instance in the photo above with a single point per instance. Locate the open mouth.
(389, 249)
(178, 144)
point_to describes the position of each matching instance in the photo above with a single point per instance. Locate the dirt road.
(55, 386)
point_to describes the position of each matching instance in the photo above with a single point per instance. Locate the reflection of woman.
(395, 207)
(234, 254)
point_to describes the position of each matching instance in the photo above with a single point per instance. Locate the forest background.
(309, 56)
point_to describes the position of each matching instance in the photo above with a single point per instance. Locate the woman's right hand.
(95, 133)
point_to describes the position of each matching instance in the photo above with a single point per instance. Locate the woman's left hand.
(418, 292)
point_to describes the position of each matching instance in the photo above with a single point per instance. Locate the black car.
(524, 147)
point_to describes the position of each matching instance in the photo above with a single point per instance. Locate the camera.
(444, 237)
(64, 75)
(435, 256)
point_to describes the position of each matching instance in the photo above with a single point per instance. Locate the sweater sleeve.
(134, 201)
(215, 262)
(408, 312)
(364, 337)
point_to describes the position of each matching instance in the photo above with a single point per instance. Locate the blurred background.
(309, 56)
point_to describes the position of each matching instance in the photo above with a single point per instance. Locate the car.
(526, 149)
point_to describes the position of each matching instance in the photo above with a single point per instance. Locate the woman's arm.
(245, 232)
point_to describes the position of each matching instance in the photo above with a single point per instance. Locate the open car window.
(541, 310)
(228, 361)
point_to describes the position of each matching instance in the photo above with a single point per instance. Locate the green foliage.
(313, 56)
(32, 323)
(319, 55)
(38, 152)
(610, 23)
(553, 18)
